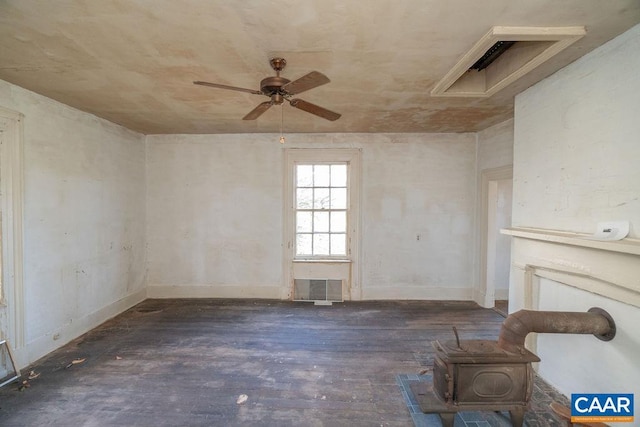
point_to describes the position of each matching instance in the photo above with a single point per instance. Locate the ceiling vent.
(502, 56)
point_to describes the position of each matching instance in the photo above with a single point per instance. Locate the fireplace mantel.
(629, 246)
(607, 268)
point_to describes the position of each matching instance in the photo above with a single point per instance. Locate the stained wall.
(84, 215)
(215, 213)
(575, 164)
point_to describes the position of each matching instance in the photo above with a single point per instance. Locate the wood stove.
(482, 375)
(474, 375)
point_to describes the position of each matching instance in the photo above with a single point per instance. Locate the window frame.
(350, 156)
(305, 268)
(312, 210)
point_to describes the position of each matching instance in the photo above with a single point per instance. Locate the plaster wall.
(575, 164)
(84, 219)
(418, 213)
(215, 213)
(495, 146)
(576, 143)
(214, 222)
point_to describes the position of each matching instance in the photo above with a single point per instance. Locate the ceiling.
(133, 61)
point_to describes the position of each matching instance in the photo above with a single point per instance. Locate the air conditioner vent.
(491, 55)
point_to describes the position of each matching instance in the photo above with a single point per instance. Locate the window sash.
(322, 229)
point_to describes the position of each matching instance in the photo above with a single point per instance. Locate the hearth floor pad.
(539, 414)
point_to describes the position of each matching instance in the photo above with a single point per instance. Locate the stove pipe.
(518, 325)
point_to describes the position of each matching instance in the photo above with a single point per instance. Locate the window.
(321, 204)
(321, 219)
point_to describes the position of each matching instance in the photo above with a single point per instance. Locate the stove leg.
(517, 417)
(447, 419)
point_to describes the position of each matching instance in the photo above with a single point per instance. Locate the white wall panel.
(84, 248)
(215, 213)
(576, 157)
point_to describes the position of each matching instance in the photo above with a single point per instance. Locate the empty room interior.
(316, 213)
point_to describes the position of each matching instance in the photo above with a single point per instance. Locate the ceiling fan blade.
(306, 82)
(219, 86)
(314, 109)
(257, 112)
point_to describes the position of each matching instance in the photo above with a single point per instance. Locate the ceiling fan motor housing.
(273, 86)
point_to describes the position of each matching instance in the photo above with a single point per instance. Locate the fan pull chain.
(281, 123)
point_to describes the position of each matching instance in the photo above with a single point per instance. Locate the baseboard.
(416, 293)
(481, 298)
(58, 337)
(214, 291)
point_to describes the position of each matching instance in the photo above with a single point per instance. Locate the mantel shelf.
(627, 245)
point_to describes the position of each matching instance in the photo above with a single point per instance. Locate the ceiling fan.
(280, 89)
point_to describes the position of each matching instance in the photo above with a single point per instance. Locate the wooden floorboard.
(185, 362)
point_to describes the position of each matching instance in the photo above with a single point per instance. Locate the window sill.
(323, 261)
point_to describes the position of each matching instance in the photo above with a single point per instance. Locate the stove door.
(491, 383)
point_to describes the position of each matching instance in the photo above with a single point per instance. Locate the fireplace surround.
(472, 375)
(608, 271)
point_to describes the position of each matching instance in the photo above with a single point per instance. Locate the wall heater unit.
(319, 291)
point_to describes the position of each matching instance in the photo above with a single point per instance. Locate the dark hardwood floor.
(186, 362)
(502, 307)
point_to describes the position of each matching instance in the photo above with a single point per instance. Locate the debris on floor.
(75, 362)
(25, 384)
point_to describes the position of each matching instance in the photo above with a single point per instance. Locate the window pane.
(321, 198)
(338, 222)
(321, 176)
(303, 244)
(338, 175)
(304, 196)
(303, 222)
(338, 198)
(321, 244)
(304, 176)
(321, 222)
(338, 244)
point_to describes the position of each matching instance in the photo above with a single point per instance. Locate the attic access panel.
(520, 50)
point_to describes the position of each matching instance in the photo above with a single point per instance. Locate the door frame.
(11, 182)
(485, 293)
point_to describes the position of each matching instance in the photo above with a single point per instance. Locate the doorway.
(495, 249)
